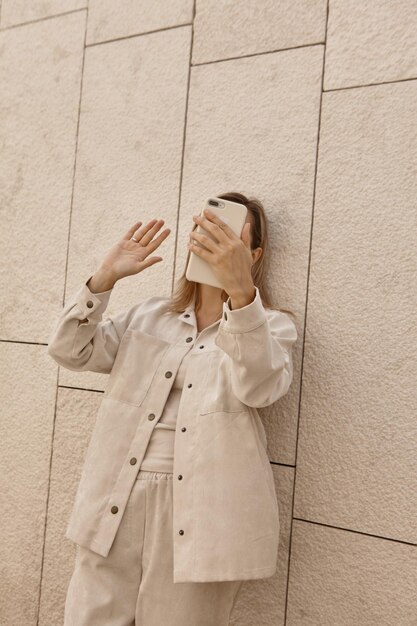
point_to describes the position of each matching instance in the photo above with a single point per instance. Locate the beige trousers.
(133, 585)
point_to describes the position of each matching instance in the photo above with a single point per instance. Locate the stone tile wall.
(113, 112)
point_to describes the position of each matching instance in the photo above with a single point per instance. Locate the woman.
(176, 504)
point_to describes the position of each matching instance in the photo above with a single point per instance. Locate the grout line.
(41, 19)
(281, 464)
(75, 160)
(352, 530)
(326, 28)
(183, 152)
(146, 32)
(47, 502)
(29, 343)
(63, 300)
(257, 54)
(384, 82)
(79, 388)
(305, 322)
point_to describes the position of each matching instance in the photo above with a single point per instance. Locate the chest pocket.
(135, 365)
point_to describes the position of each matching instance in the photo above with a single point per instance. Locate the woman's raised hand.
(128, 256)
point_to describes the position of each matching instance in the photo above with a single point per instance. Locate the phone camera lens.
(213, 203)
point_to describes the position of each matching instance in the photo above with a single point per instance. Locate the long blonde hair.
(185, 290)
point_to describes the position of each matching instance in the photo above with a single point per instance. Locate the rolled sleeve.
(246, 318)
(92, 305)
(259, 343)
(81, 340)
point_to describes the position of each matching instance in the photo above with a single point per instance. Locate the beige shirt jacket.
(225, 509)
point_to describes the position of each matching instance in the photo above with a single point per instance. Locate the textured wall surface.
(113, 112)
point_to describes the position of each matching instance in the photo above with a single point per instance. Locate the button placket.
(183, 428)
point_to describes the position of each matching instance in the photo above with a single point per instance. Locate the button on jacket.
(225, 509)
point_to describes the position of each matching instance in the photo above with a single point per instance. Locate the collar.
(188, 316)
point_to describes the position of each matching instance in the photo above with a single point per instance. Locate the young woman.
(176, 504)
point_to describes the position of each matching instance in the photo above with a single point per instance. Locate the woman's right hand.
(129, 257)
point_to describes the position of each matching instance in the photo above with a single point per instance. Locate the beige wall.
(109, 116)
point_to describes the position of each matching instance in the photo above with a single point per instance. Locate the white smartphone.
(234, 214)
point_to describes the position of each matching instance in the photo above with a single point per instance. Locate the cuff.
(244, 319)
(92, 304)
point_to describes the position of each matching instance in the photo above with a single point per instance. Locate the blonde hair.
(185, 290)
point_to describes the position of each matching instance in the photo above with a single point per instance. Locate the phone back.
(234, 214)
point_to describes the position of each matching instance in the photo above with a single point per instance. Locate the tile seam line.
(258, 54)
(366, 85)
(353, 530)
(184, 140)
(143, 34)
(96, 43)
(41, 19)
(63, 304)
(281, 464)
(313, 206)
(75, 388)
(30, 343)
(48, 492)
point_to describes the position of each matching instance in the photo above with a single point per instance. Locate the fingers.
(148, 237)
(204, 240)
(128, 235)
(145, 234)
(151, 260)
(157, 242)
(216, 226)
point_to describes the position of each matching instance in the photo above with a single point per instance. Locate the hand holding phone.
(234, 214)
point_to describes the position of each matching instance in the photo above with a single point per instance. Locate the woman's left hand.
(229, 256)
